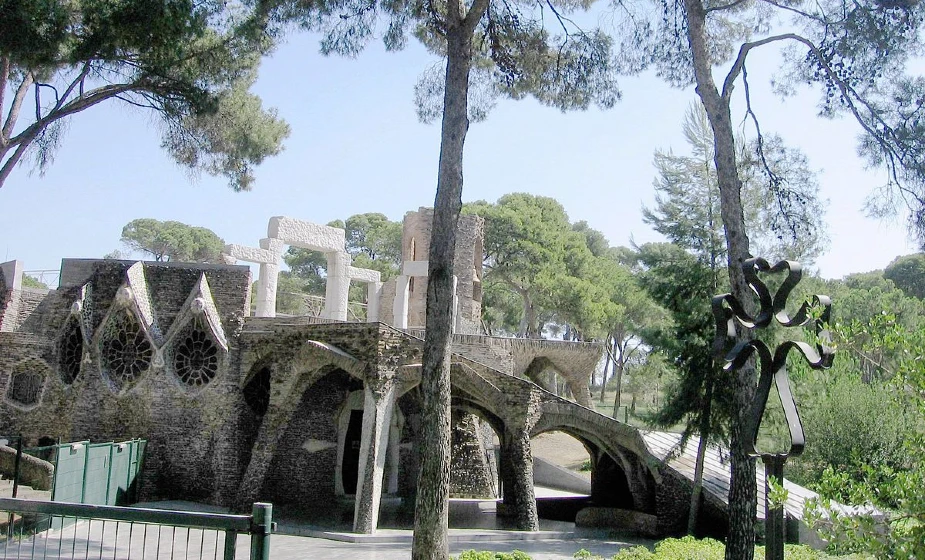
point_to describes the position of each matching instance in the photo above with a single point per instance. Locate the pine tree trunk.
(742, 490)
(618, 369)
(607, 362)
(701, 454)
(432, 506)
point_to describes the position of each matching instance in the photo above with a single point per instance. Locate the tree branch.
(736, 69)
(13, 115)
(9, 164)
(58, 98)
(801, 13)
(77, 81)
(4, 77)
(724, 6)
(474, 15)
(96, 96)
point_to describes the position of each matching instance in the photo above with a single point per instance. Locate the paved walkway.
(126, 541)
(123, 541)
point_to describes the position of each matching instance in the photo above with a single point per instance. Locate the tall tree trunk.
(701, 454)
(607, 362)
(619, 366)
(432, 506)
(742, 490)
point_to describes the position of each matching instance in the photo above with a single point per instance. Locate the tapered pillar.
(379, 403)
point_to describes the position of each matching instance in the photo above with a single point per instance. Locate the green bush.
(487, 555)
(685, 548)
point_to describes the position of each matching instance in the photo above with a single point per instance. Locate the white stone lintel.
(252, 254)
(363, 274)
(306, 235)
(272, 244)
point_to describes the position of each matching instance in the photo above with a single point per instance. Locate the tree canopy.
(908, 273)
(173, 241)
(191, 63)
(687, 198)
(856, 53)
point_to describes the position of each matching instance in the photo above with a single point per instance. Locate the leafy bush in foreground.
(686, 548)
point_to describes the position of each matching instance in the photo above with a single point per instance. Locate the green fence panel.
(69, 472)
(96, 474)
(101, 473)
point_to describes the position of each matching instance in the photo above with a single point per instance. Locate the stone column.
(337, 288)
(581, 391)
(373, 295)
(379, 402)
(266, 290)
(517, 475)
(455, 303)
(394, 452)
(400, 306)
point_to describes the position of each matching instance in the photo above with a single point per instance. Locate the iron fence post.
(261, 528)
(17, 465)
(231, 540)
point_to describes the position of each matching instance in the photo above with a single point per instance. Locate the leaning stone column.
(379, 402)
(337, 288)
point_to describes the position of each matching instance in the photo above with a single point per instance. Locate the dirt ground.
(561, 449)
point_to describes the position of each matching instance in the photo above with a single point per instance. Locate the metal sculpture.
(735, 348)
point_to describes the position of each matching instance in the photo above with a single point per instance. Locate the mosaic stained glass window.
(125, 352)
(71, 351)
(196, 357)
(26, 383)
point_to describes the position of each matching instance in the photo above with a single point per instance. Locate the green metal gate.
(54, 530)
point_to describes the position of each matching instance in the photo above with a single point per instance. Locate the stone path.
(123, 541)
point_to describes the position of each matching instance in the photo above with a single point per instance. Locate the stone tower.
(416, 232)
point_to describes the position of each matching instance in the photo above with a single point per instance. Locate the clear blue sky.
(356, 146)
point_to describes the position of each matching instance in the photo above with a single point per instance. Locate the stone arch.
(578, 390)
(625, 452)
(291, 375)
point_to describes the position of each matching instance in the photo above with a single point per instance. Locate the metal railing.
(313, 306)
(50, 278)
(38, 530)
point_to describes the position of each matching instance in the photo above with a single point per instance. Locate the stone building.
(307, 412)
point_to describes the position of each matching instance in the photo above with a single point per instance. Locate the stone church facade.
(303, 411)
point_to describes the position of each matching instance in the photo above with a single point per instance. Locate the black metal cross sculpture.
(735, 351)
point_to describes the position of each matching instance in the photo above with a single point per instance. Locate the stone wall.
(33, 472)
(186, 426)
(470, 467)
